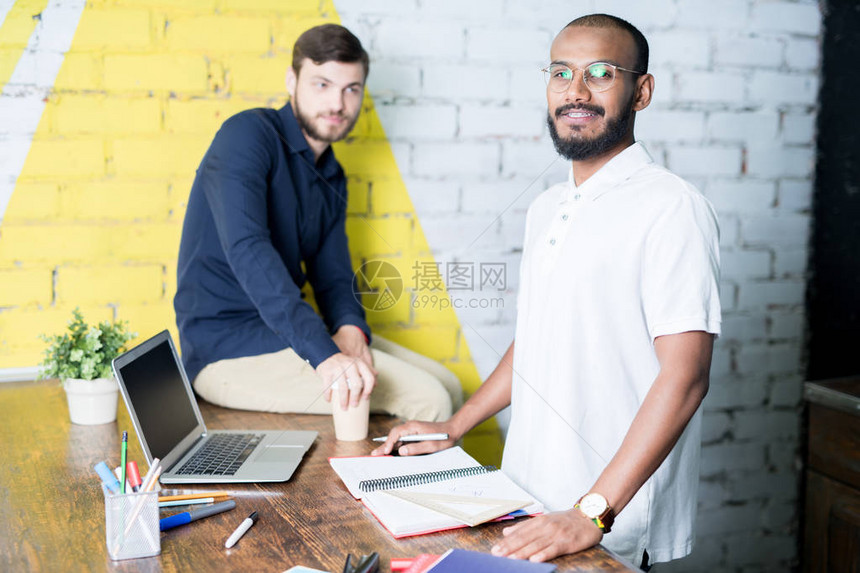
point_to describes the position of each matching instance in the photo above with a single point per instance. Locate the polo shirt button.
(577, 197)
(564, 217)
(552, 241)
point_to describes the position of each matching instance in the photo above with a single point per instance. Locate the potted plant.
(81, 357)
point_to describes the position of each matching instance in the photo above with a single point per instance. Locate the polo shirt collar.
(615, 171)
(297, 144)
(293, 133)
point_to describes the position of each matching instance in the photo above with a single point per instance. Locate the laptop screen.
(157, 392)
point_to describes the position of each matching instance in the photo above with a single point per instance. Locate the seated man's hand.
(354, 378)
(351, 341)
(414, 448)
(547, 536)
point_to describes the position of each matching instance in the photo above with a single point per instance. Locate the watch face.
(593, 505)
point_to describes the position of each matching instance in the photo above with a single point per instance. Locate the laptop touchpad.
(275, 454)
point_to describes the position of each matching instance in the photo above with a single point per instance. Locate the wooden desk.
(52, 509)
(832, 517)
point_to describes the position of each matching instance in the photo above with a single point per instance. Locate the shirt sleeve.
(681, 269)
(234, 179)
(333, 280)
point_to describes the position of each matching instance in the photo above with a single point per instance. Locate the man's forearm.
(669, 405)
(493, 395)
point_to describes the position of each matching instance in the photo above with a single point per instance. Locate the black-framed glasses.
(598, 77)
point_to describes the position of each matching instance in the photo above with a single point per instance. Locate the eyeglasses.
(598, 77)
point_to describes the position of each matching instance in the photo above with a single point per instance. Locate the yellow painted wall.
(96, 214)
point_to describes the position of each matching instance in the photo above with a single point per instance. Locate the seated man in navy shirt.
(266, 214)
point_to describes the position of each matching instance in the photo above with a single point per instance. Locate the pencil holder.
(131, 525)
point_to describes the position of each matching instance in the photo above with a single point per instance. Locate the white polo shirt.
(629, 255)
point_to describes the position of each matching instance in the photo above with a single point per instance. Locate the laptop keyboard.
(222, 454)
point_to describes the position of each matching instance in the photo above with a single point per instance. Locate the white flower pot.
(91, 401)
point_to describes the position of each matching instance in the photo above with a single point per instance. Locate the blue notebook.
(459, 560)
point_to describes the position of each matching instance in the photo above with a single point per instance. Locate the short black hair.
(608, 21)
(327, 43)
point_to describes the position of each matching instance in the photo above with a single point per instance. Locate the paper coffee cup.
(350, 425)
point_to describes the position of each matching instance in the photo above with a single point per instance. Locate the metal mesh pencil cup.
(131, 524)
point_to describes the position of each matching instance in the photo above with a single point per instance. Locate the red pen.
(133, 475)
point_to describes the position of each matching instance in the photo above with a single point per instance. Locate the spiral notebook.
(422, 494)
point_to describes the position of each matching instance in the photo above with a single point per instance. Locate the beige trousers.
(408, 384)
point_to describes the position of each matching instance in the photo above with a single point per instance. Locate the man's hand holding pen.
(437, 436)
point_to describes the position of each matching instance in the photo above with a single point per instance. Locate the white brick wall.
(740, 50)
(671, 125)
(780, 162)
(507, 44)
(785, 17)
(712, 160)
(439, 160)
(802, 54)
(767, 87)
(683, 47)
(391, 79)
(500, 121)
(460, 95)
(798, 128)
(750, 195)
(459, 83)
(710, 87)
(706, 14)
(751, 128)
(418, 39)
(418, 122)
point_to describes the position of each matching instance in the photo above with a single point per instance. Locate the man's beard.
(310, 129)
(579, 148)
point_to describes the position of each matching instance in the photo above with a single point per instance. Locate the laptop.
(165, 415)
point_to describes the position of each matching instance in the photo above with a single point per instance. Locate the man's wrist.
(457, 428)
(318, 352)
(596, 508)
(363, 334)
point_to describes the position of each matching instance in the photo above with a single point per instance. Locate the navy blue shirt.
(262, 220)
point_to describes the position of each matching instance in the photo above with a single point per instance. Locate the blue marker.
(178, 519)
(108, 477)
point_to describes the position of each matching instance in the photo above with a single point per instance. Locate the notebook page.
(403, 518)
(492, 485)
(354, 470)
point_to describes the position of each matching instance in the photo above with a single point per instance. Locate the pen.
(178, 519)
(148, 478)
(186, 502)
(133, 476)
(194, 495)
(240, 531)
(122, 456)
(118, 473)
(416, 438)
(107, 476)
(154, 481)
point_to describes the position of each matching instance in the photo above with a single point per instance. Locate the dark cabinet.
(832, 505)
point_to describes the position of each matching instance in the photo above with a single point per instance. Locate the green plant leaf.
(84, 351)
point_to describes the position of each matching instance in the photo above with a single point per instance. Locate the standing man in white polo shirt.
(617, 312)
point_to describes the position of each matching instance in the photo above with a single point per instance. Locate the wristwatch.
(595, 507)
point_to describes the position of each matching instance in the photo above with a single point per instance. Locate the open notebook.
(422, 494)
